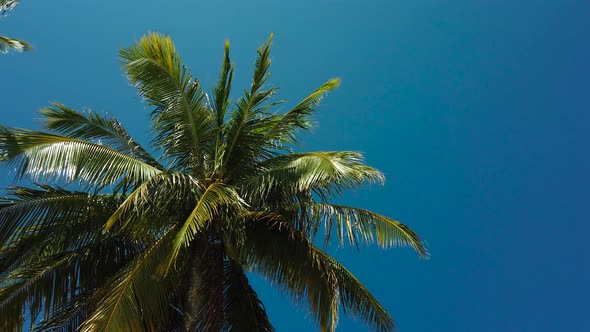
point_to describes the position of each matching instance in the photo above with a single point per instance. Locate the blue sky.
(476, 111)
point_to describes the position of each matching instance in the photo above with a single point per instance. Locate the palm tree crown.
(163, 244)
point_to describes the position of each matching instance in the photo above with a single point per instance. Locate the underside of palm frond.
(284, 256)
(59, 253)
(94, 127)
(44, 156)
(215, 197)
(244, 310)
(26, 211)
(359, 226)
(136, 296)
(356, 300)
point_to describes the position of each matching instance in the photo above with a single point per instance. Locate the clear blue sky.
(476, 111)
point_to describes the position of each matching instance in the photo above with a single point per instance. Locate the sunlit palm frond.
(360, 226)
(7, 5)
(42, 156)
(245, 130)
(182, 122)
(216, 196)
(96, 128)
(324, 173)
(222, 90)
(12, 44)
(286, 128)
(220, 104)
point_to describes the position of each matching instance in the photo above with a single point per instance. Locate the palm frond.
(220, 103)
(150, 207)
(91, 126)
(287, 125)
(360, 225)
(29, 210)
(7, 5)
(136, 294)
(60, 221)
(45, 269)
(222, 90)
(67, 316)
(12, 44)
(324, 173)
(243, 309)
(285, 257)
(182, 122)
(31, 284)
(216, 196)
(42, 155)
(150, 246)
(356, 300)
(245, 131)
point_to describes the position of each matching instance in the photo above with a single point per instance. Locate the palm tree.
(7, 43)
(139, 243)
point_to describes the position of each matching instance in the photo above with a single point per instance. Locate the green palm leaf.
(244, 310)
(42, 155)
(7, 5)
(245, 130)
(17, 287)
(155, 68)
(215, 196)
(67, 316)
(95, 128)
(12, 44)
(148, 209)
(298, 118)
(135, 293)
(284, 256)
(221, 101)
(324, 173)
(358, 225)
(356, 300)
(28, 210)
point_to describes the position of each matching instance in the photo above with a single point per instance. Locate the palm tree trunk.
(192, 300)
(203, 307)
(215, 305)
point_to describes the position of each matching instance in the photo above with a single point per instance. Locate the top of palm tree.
(162, 243)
